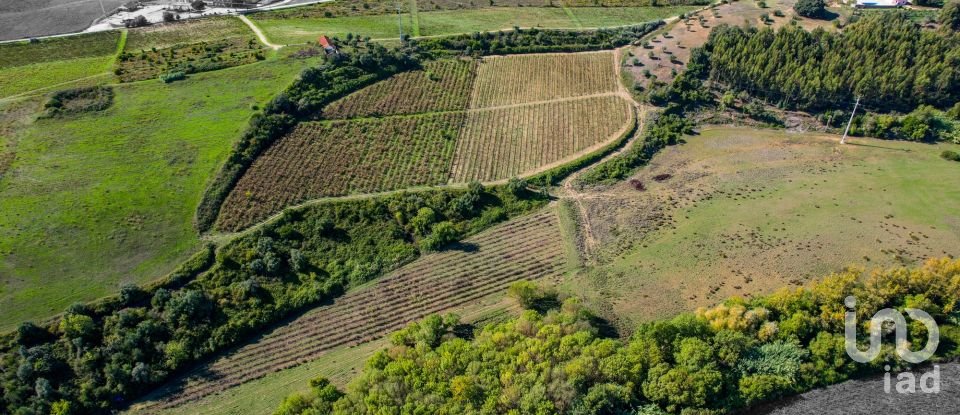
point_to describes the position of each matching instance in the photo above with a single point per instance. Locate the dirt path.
(570, 192)
(259, 33)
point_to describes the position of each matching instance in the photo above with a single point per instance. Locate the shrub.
(810, 8)
(172, 76)
(950, 155)
(76, 100)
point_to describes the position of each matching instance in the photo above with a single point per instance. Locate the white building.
(877, 4)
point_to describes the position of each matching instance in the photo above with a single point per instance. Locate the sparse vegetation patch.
(78, 100)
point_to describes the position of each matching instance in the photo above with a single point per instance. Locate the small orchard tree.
(810, 8)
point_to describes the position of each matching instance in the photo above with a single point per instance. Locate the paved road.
(30, 18)
(867, 397)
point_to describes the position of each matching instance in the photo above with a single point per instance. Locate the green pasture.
(97, 199)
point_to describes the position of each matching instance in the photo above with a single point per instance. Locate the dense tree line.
(884, 58)
(535, 40)
(100, 356)
(714, 361)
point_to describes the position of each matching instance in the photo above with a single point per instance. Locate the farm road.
(259, 33)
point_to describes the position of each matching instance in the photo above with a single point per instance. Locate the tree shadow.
(905, 150)
(465, 247)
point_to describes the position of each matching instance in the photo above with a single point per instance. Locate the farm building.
(327, 44)
(879, 4)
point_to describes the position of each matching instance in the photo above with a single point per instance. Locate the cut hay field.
(508, 116)
(283, 29)
(528, 248)
(515, 79)
(502, 143)
(92, 200)
(749, 211)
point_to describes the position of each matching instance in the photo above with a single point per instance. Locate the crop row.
(501, 143)
(529, 248)
(336, 158)
(505, 80)
(441, 86)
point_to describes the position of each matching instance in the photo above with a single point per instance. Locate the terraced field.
(502, 143)
(528, 248)
(415, 129)
(443, 85)
(337, 158)
(516, 79)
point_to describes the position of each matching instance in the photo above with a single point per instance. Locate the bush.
(950, 155)
(810, 8)
(77, 100)
(172, 76)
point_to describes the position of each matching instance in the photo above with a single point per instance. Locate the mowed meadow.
(741, 212)
(95, 199)
(451, 122)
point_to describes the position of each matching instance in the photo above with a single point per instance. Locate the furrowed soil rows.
(501, 143)
(515, 79)
(527, 248)
(320, 159)
(441, 86)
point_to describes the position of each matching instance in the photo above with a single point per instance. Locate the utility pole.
(847, 131)
(400, 19)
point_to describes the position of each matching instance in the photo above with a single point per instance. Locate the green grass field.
(94, 200)
(51, 63)
(437, 23)
(46, 75)
(751, 211)
(58, 49)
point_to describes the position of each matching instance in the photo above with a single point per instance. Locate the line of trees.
(888, 60)
(714, 361)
